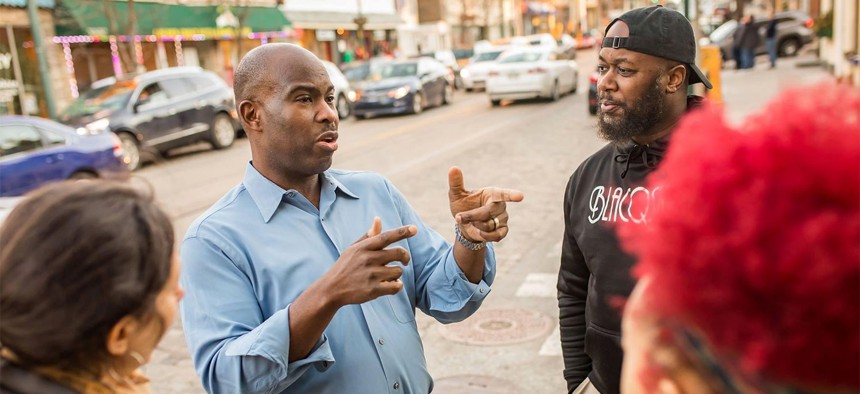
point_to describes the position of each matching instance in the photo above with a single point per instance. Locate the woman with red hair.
(750, 267)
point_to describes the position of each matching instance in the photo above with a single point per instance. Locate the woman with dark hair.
(88, 287)
(750, 266)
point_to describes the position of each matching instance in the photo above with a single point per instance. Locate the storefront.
(21, 90)
(96, 46)
(335, 36)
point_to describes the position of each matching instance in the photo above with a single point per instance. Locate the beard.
(638, 118)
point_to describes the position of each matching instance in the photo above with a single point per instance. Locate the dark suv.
(158, 110)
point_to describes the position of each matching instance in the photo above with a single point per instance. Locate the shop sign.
(326, 35)
(206, 31)
(8, 89)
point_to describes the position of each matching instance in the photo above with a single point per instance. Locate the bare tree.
(126, 49)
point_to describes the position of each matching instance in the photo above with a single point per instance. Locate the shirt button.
(481, 290)
(291, 194)
(381, 341)
(396, 385)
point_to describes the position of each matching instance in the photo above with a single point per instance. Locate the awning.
(23, 3)
(100, 18)
(341, 20)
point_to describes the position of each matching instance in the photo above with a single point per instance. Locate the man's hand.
(362, 272)
(481, 214)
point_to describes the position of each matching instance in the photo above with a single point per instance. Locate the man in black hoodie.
(646, 62)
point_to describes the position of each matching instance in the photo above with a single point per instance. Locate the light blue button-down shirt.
(252, 253)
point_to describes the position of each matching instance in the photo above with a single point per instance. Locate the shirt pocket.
(402, 308)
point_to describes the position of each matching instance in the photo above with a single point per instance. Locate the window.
(177, 87)
(152, 94)
(18, 138)
(53, 138)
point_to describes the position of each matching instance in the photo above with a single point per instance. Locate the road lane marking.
(552, 345)
(540, 285)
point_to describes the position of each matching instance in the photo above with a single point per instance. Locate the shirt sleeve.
(573, 278)
(441, 288)
(233, 348)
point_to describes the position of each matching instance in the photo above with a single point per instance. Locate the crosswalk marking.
(541, 285)
(552, 345)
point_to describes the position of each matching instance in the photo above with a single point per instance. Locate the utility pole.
(36, 30)
(360, 21)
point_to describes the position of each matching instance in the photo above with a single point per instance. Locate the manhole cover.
(474, 384)
(498, 327)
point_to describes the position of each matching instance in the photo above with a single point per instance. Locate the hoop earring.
(137, 357)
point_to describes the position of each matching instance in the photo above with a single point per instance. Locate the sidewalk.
(747, 91)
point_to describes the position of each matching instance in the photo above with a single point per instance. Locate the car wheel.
(495, 103)
(789, 47)
(417, 103)
(556, 94)
(78, 175)
(131, 151)
(448, 95)
(342, 107)
(222, 134)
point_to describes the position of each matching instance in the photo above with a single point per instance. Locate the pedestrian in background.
(646, 62)
(288, 290)
(736, 42)
(770, 40)
(750, 278)
(749, 41)
(89, 284)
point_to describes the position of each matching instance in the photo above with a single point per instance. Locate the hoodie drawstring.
(634, 152)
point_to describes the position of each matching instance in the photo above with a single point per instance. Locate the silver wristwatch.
(465, 242)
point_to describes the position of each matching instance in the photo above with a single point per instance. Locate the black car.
(404, 87)
(592, 92)
(159, 110)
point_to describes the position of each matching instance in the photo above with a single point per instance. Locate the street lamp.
(360, 21)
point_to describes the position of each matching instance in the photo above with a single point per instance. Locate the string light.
(180, 61)
(70, 69)
(114, 57)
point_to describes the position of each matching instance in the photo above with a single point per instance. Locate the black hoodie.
(594, 278)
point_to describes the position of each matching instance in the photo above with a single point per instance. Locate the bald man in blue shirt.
(291, 284)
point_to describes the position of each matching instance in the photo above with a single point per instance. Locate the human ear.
(677, 75)
(119, 337)
(250, 115)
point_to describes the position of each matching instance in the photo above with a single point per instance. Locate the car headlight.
(351, 95)
(99, 126)
(465, 73)
(398, 93)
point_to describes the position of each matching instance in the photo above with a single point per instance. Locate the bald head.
(255, 76)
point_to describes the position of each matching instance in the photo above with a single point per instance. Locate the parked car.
(159, 110)
(406, 86)
(474, 74)
(35, 151)
(463, 56)
(592, 92)
(793, 32)
(448, 58)
(531, 72)
(343, 94)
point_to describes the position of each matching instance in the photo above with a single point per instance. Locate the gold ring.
(495, 223)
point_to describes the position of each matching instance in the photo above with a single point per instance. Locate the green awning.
(101, 18)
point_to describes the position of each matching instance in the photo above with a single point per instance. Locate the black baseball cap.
(661, 32)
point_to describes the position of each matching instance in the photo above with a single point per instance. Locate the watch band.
(465, 242)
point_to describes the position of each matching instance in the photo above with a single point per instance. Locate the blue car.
(403, 87)
(35, 151)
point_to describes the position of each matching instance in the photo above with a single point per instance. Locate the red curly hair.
(755, 243)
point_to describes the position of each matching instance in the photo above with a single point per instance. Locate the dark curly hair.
(756, 243)
(75, 258)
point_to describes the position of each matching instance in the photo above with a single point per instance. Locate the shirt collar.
(268, 196)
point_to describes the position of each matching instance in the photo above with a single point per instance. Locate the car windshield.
(394, 70)
(487, 56)
(356, 72)
(111, 97)
(521, 57)
(723, 31)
